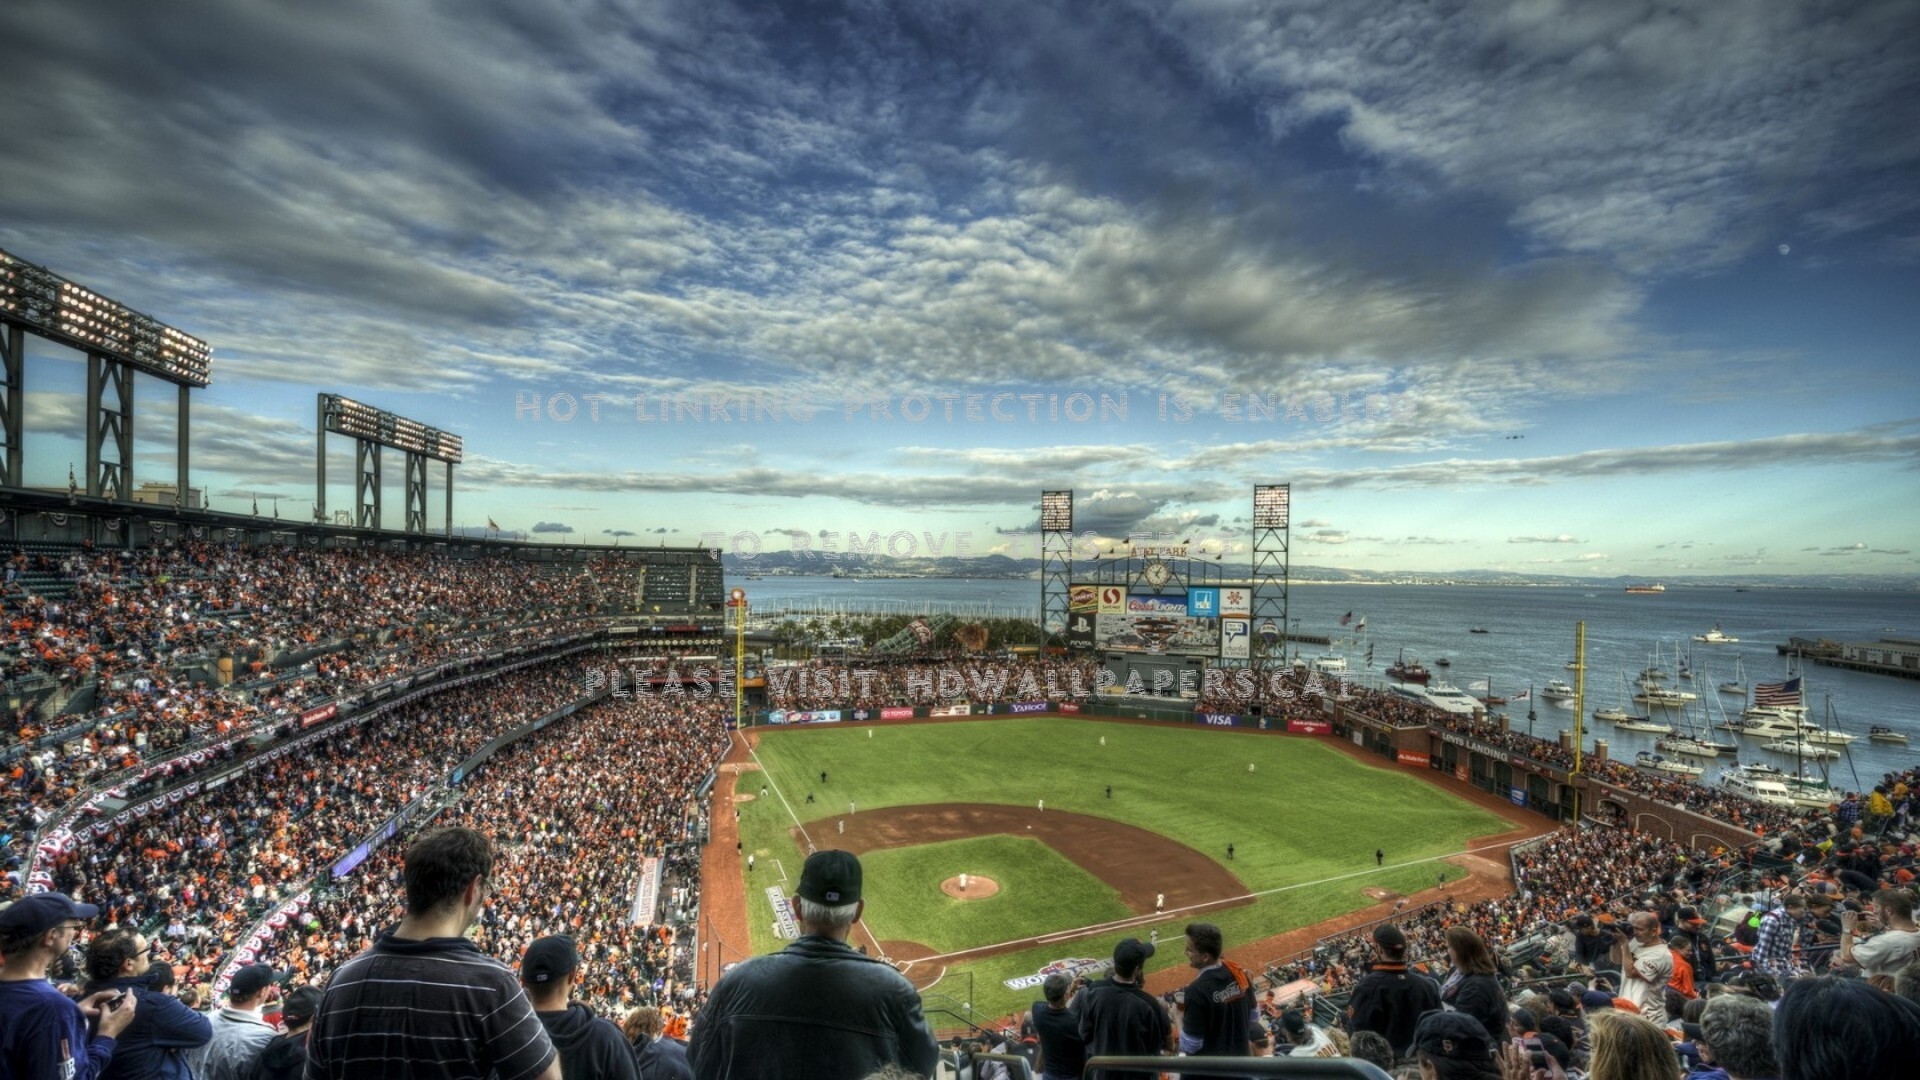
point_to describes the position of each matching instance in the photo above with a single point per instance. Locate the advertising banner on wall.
(1111, 600)
(1083, 598)
(1203, 603)
(1309, 727)
(1236, 639)
(1080, 629)
(804, 716)
(1156, 605)
(896, 712)
(1236, 601)
(1411, 757)
(951, 710)
(1069, 706)
(1143, 633)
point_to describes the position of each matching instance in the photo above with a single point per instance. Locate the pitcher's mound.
(978, 888)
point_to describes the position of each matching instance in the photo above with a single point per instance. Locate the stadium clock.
(1157, 573)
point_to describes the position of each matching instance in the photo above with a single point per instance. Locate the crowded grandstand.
(228, 751)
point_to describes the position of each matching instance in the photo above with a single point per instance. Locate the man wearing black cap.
(1454, 1046)
(1118, 1016)
(1389, 998)
(240, 1032)
(424, 1002)
(285, 1058)
(42, 1031)
(590, 1047)
(817, 1010)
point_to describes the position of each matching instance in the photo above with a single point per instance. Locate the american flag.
(1347, 618)
(1769, 694)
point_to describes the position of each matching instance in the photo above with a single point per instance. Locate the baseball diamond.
(1303, 834)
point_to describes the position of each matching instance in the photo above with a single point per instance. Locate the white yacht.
(1715, 637)
(1330, 664)
(1686, 744)
(1652, 694)
(1800, 748)
(1755, 786)
(1557, 690)
(1668, 765)
(1643, 723)
(1440, 696)
(1453, 699)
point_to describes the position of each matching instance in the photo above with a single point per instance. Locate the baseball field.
(1072, 832)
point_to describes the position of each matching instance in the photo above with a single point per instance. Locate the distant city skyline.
(1598, 291)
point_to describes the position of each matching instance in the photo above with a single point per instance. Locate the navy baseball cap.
(549, 959)
(41, 912)
(831, 878)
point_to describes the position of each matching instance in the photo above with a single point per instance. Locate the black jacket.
(590, 1048)
(285, 1058)
(163, 1029)
(1480, 997)
(1388, 1000)
(816, 1010)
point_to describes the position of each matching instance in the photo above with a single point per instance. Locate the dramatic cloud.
(551, 527)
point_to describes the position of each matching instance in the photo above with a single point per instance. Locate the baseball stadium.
(234, 737)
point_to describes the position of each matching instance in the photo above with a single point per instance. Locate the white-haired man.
(819, 1009)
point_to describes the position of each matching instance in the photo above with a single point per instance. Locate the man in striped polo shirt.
(424, 1002)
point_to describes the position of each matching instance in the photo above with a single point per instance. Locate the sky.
(1622, 289)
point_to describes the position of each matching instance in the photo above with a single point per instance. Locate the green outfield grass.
(1039, 886)
(1304, 823)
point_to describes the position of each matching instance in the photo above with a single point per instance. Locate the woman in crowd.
(1630, 1047)
(1474, 986)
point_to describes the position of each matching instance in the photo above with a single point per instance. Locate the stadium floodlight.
(42, 301)
(1270, 505)
(348, 417)
(1056, 511)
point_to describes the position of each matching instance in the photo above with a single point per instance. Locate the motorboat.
(1443, 662)
(1658, 763)
(1687, 744)
(1744, 781)
(1573, 665)
(1715, 637)
(1330, 664)
(1478, 630)
(1406, 670)
(1885, 734)
(1557, 690)
(1642, 723)
(1801, 748)
(1615, 716)
(1828, 736)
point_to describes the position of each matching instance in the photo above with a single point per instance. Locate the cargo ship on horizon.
(1656, 587)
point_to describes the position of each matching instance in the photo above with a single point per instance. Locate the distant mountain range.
(788, 563)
